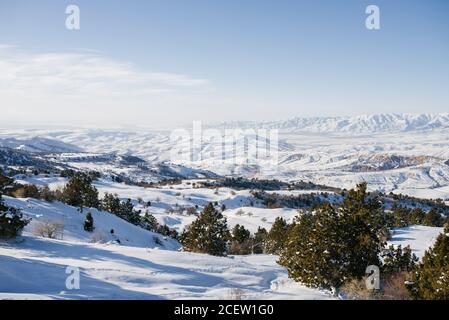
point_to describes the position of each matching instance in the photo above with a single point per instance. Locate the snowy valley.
(404, 159)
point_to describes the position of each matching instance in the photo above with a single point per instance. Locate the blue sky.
(170, 61)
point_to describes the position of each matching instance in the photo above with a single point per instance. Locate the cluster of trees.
(207, 234)
(122, 209)
(80, 192)
(210, 234)
(307, 200)
(431, 278)
(241, 183)
(401, 216)
(413, 201)
(334, 245)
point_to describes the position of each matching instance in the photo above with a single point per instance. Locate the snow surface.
(139, 268)
(419, 238)
(35, 268)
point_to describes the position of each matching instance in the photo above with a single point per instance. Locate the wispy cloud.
(84, 86)
(87, 73)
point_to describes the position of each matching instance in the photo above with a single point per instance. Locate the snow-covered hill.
(73, 221)
(139, 267)
(133, 263)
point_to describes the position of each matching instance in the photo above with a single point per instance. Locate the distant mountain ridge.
(350, 124)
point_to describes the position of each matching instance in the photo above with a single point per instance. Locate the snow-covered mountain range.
(351, 124)
(406, 153)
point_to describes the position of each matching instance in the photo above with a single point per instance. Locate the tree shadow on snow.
(27, 276)
(80, 251)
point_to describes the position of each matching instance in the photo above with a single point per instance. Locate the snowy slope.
(419, 238)
(35, 268)
(128, 234)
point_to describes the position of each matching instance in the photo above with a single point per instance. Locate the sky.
(169, 62)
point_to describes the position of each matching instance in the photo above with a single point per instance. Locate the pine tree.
(89, 222)
(259, 239)
(431, 280)
(433, 219)
(330, 246)
(241, 241)
(149, 222)
(398, 259)
(208, 233)
(274, 241)
(240, 234)
(110, 203)
(4, 181)
(11, 221)
(417, 216)
(79, 192)
(314, 253)
(401, 216)
(361, 225)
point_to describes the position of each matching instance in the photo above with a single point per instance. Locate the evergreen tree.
(47, 194)
(240, 234)
(4, 181)
(89, 222)
(417, 216)
(274, 241)
(128, 213)
(207, 234)
(433, 219)
(11, 221)
(149, 222)
(398, 259)
(401, 216)
(259, 239)
(166, 231)
(314, 253)
(327, 248)
(79, 192)
(431, 280)
(111, 203)
(241, 241)
(361, 224)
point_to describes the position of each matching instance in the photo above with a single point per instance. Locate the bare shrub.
(356, 289)
(236, 248)
(191, 211)
(274, 206)
(52, 229)
(394, 287)
(240, 212)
